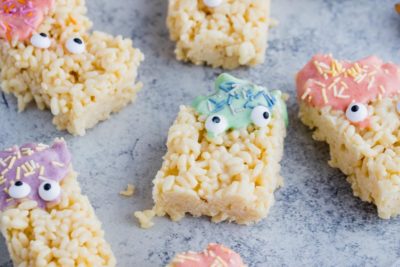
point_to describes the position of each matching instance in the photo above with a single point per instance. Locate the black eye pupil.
(266, 115)
(43, 34)
(355, 108)
(77, 40)
(18, 183)
(47, 187)
(216, 119)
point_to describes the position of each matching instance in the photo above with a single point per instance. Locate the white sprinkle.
(371, 82)
(306, 93)
(382, 88)
(209, 105)
(57, 164)
(324, 96)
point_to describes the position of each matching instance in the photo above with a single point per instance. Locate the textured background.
(315, 222)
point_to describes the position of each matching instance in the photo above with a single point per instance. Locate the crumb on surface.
(129, 191)
(145, 218)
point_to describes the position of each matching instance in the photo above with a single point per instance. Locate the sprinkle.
(12, 161)
(24, 168)
(185, 257)
(33, 164)
(2, 163)
(18, 174)
(28, 166)
(306, 93)
(4, 171)
(360, 78)
(325, 76)
(18, 154)
(319, 83)
(41, 171)
(209, 106)
(324, 96)
(318, 67)
(382, 88)
(335, 91)
(334, 83)
(344, 84)
(219, 262)
(343, 96)
(379, 96)
(57, 164)
(2, 182)
(371, 82)
(232, 110)
(28, 174)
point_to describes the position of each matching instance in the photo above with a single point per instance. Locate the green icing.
(235, 99)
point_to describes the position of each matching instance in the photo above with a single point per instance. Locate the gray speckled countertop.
(315, 222)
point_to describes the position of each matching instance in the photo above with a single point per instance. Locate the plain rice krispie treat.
(223, 155)
(44, 218)
(354, 107)
(220, 33)
(48, 55)
(214, 256)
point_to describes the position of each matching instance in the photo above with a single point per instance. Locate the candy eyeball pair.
(74, 45)
(212, 3)
(216, 124)
(48, 190)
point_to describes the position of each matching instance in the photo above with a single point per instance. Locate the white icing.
(216, 124)
(75, 45)
(40, 40)
(356, 112)
(260, 116)
(49, 190)
(212, 3)
(19, 190)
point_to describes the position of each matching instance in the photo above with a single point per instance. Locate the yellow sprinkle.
(18, 174)
(318, 67)
(28, 166)
(28, 174)
(24, 168)
(41, 172)
(2, 182)
(357, 67)
(324, 96)
(325, 76)
(12, 162)
(4, 171)
(306, 93)
(343, 96)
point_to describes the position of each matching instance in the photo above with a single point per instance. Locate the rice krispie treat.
(44, 218)
(354, 107)
(214, 256)
(220, 33)
(48, 55)
(223, 155)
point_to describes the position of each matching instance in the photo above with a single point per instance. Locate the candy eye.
(260, 116)
(216, 124)
(212, 3)
(19, 190)
(356, 112)
(49, 190)
(75, 45)
(40, 40)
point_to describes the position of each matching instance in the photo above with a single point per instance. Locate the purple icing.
(50, 163)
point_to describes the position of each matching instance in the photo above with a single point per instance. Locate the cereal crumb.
(145, 218)
(129, 191)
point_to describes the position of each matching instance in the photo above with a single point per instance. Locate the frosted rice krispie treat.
(220, 33)
(214, 256)
(48, 55)
(354, 107)
(223, 155)
(44, 218)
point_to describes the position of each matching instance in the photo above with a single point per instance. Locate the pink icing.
(44, 162)
(325, 81)
(20, 18)
(214, 255)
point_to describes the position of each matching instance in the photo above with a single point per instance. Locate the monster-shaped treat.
(214, 256)
(223, 155)
(220, 33)
(44, 218)
(354, 107)
(48, 55)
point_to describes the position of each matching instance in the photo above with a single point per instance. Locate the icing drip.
(20, 18)
(214, 255)
(33, 165)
